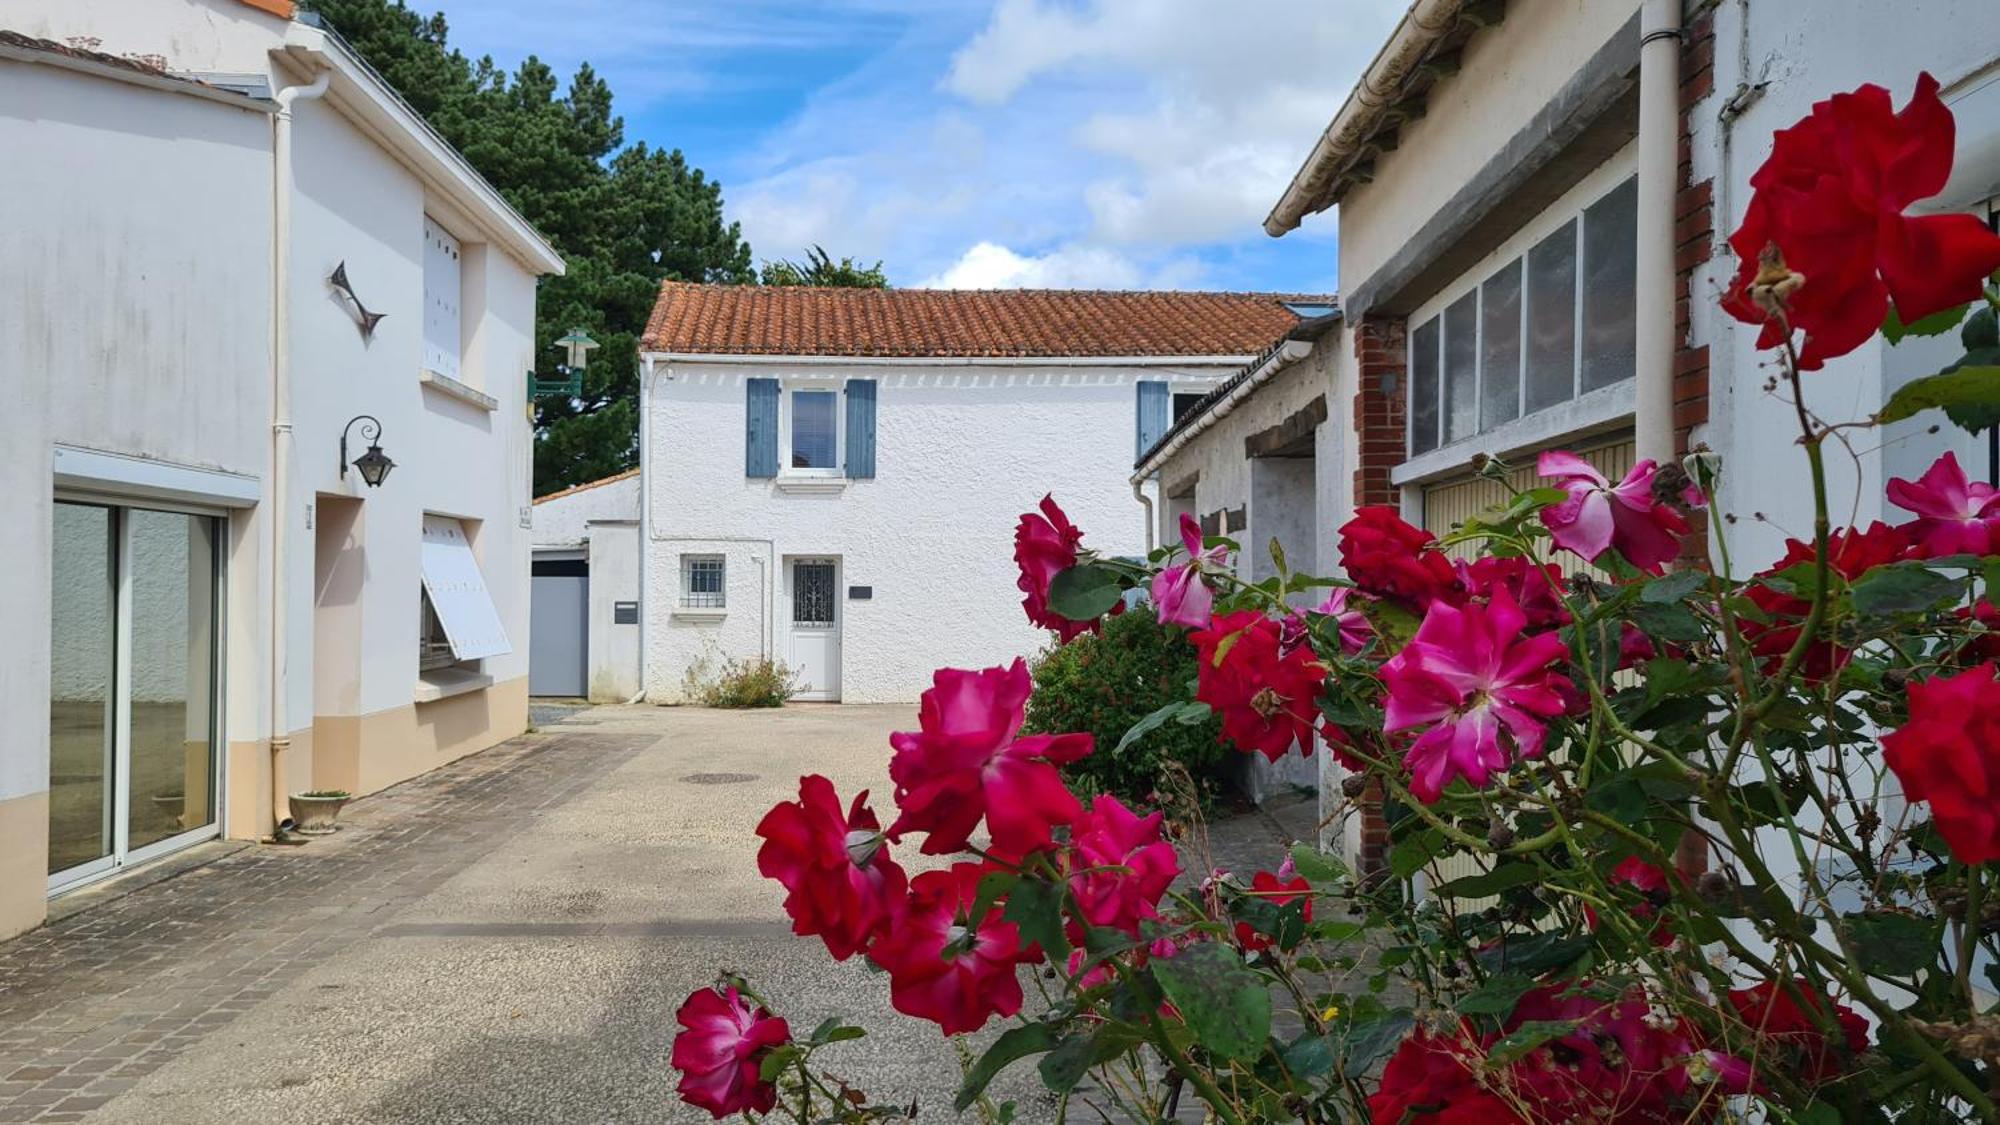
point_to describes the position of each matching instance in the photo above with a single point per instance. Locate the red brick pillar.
(1384, 380)
(1694, 245)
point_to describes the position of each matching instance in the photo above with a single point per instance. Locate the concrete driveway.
(504, 940)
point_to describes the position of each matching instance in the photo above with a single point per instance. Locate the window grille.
(702, 582)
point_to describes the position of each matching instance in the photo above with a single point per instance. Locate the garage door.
(559, 632)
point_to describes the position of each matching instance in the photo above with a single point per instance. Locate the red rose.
(1770, 1010)
(1433, 1079)
(721, 1051)
(1277, 892)
(843, 884)
(1044, 546)
(1849, 554)
(1388, 557)
(970, 761)
(1264, 695)
(946, 966)
(1831, 198)
(1949, 754)
(1123, 866)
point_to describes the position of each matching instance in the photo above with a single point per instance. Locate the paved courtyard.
(505, 939)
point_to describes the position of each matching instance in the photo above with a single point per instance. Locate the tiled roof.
(801, 320)
(588, 485)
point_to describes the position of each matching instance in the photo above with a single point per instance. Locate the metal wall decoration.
(366, 319)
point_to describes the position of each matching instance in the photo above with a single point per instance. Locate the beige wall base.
(24, 863)
(365, 753)
(248, 813)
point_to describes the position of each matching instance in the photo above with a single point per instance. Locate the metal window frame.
(704, 599)
(123, 856)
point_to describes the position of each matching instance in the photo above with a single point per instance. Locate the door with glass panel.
(133, 746)
(812, 586)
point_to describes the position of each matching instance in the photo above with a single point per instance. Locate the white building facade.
(212, 611)
(586, 592)
(852, 515)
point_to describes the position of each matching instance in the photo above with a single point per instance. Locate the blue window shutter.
(1153, 415)
(861, 429)
(760, 441)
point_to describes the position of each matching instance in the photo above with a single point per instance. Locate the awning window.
(458, 592)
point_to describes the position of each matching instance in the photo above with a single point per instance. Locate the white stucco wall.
(355, 204)
(563, 520)
(962, 451)
(136, 256)
(613, 648)
(188, 35)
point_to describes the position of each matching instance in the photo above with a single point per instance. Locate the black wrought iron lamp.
(374, 465)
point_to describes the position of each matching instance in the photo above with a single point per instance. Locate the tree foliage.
(819, 268)
(624, 218)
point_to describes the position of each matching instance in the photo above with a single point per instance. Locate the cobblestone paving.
(95, 1001)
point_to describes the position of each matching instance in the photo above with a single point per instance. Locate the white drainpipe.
(1659, 173)
(281, 425)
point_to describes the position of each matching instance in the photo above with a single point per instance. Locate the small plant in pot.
(315, 812)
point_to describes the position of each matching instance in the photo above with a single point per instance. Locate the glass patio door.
(132, 686)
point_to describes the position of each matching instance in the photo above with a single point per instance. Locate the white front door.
(813, 587)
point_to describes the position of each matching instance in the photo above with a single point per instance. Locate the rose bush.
(1669, 843)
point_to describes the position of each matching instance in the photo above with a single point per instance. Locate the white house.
(832, 477)
(1533, 201)
(237, 263)
(587, 591)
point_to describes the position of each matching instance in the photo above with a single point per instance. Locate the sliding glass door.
(133, 745)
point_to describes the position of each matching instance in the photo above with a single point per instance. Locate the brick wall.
(1383, 365)
(1694, 245)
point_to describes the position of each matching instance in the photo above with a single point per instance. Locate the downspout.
(1145, 501)
(281, 429)
(645, 519)
(1659, 170)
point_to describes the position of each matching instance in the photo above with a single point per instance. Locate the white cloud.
(991, 266)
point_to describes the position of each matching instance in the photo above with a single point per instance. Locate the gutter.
(780, 360)
(1421, 27)
(1279, 358)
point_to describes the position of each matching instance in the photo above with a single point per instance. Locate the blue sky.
(1095, 143)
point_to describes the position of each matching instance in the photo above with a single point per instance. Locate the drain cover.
(719, 778)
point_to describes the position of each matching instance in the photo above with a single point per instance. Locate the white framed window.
(704, 582)
(1552, 324)
(811, 437)
(444, 296)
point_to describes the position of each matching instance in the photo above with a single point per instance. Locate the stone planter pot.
(315, 813)
(173, 806)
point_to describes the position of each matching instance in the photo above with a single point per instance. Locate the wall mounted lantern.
(367, 320)
(373, 465)
(576, 349)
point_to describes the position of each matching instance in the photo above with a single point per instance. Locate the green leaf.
(1036, 907)
(778, 1060)
(1532, 954)
(1317, 867)
(1226, 1005)
(1496, 997)
(1519, 1042)
(1084, 593)
(1903, 588)
(1936, 324)
(1982, 330)
(1367, 1043)
(1976, 384)
(1407, 857)
(1014, 1043)
(1890, 944)
(1080, 1053)
(993, 886)
(1673, 587)
(1148, 725)
(1505, 877)
(1670, 623)
(833, 1031)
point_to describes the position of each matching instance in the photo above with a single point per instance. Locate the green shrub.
(749, 683)
(1104, 684)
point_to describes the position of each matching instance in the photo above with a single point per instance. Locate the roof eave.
(1289, 349)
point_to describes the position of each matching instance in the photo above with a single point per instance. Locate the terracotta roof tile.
(801, 320)
(588, 485)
